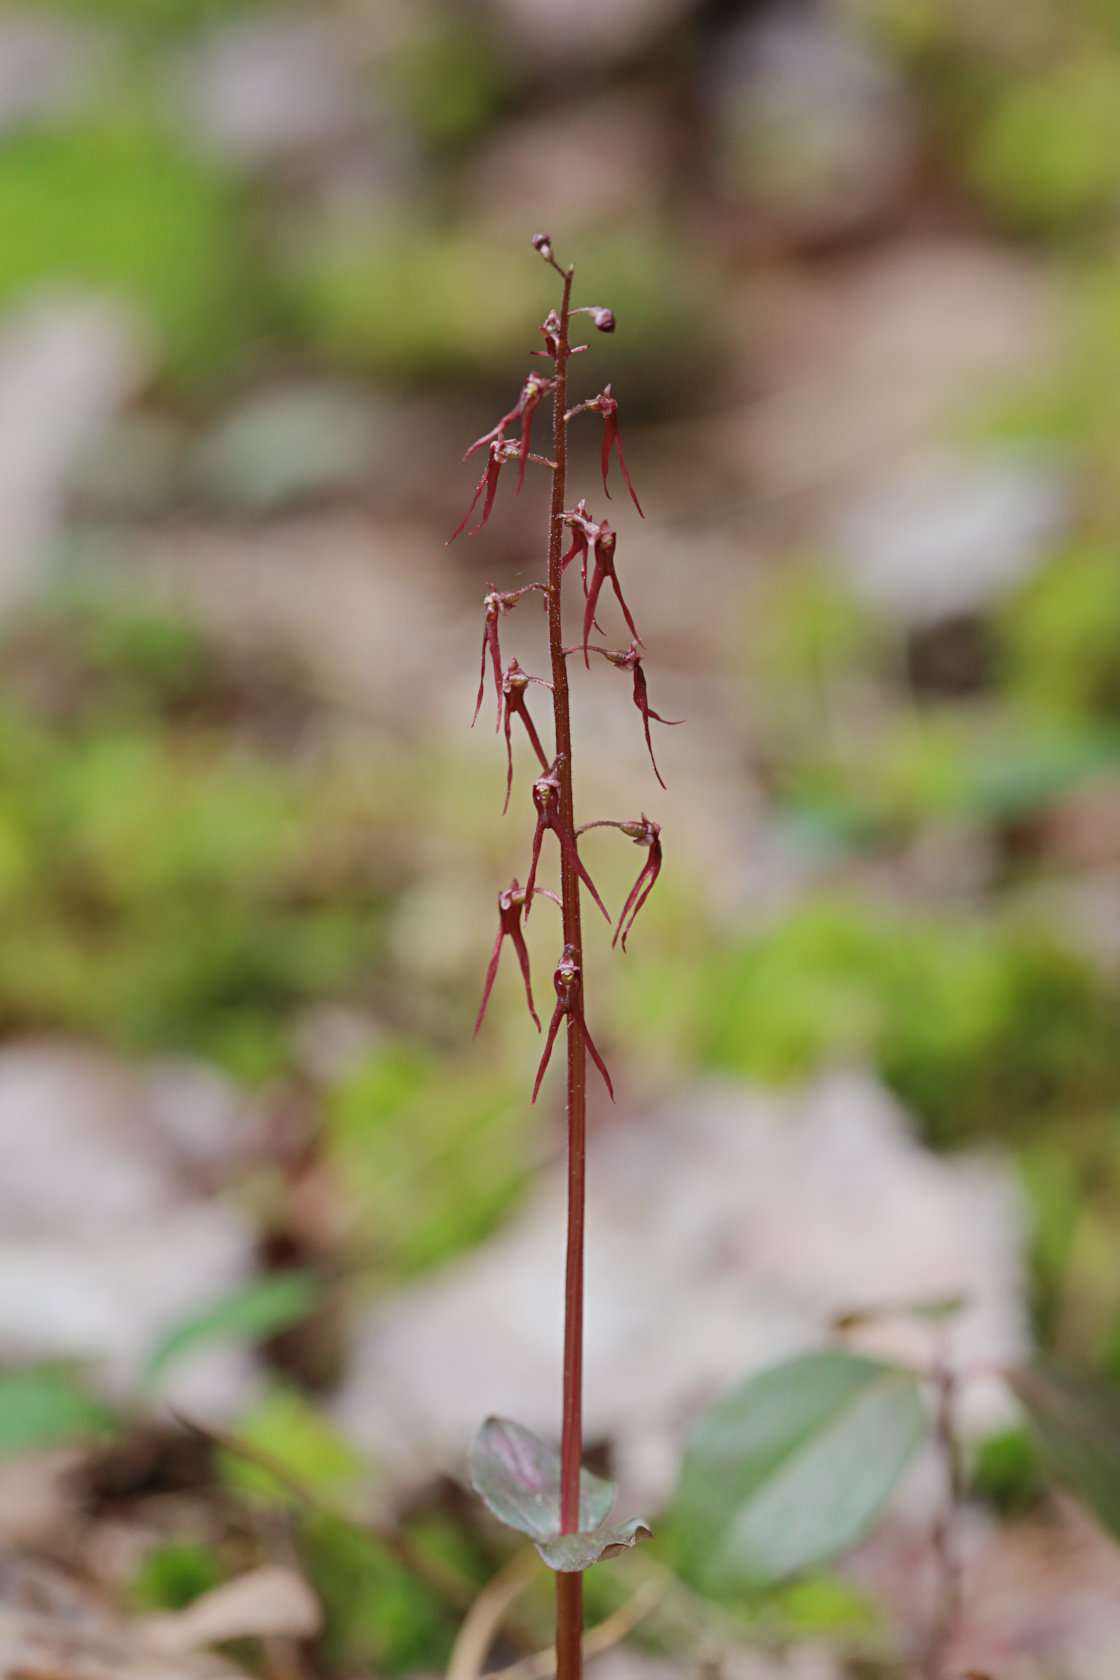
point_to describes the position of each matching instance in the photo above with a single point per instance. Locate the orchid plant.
(542, 1493)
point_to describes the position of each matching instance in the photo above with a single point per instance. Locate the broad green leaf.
(1077, 1419)
(518, 1476)
(46, 1408)
(792, 1468)
(570, 1554)
(261, 1309)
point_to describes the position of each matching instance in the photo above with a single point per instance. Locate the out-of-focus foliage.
(420, 303)
(260, 1309)
(145, 841)
(47, 1407)
(289, 1429)
(791, 1469)
(173, 1576)
(121, 206)
(982, 1029)
(377, 1613)
(450, 81)
(1007, 1472)
(159, 18)
(428, 1157)
(1061, 637)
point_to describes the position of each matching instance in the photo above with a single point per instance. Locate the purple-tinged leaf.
(518, 1477)
(570, 1554)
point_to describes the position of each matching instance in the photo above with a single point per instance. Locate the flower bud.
(603, 319)
(543, 244)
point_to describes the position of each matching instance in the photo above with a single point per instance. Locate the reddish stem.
(569, 1626)
(569, 1588)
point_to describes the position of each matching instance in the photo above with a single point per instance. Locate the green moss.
(1047, 152)
(420, 303)
(430, 1158)
(1007, 1472)
(377, 1614)
(983, 1030)
(450, 82)
(1060, 637)
(152, 18)
(171, 1577)
(123, 207)
(291, 1430)
(166, 883)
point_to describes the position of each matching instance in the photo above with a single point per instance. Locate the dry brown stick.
(486, 1615)
(448, 1585)
(542, 1665)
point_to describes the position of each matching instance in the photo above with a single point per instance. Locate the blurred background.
(264, 273)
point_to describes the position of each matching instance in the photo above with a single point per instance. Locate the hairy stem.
(569, 1588)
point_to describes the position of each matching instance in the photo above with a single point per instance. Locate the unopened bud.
(543, 244)
(603, 319)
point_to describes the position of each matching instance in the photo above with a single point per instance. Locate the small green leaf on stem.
(570, 1554)
(518, 1476)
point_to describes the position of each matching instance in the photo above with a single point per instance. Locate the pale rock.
(67, 364)
(812, 127)
(951, 536)
(725, 1231)
(592, 30)
(46, 66)
(259, 88)
(104, 1248)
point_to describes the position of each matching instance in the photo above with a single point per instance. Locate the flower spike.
(602, 554)
(546, 798)
(510, 904)
(630, 659)
(514, 684)
(568, 980)
(500, 453)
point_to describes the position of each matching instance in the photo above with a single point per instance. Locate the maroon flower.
(602, 555)
(510, 904)
(514, 684)
(568, 980)
(630, 659)
(546, 798)
(643, 833)
(500, 453)
(497, 602)
(535, 388)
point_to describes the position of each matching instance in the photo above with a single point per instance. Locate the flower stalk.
(522, 1480)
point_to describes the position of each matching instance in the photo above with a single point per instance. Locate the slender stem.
(569, 1588)
(947, 1608)
(569, 1627)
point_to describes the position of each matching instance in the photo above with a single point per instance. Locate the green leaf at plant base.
(518, 1477)
(258, 1310)
(46, 1408)
(1077, 1419)
(792, 1468)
